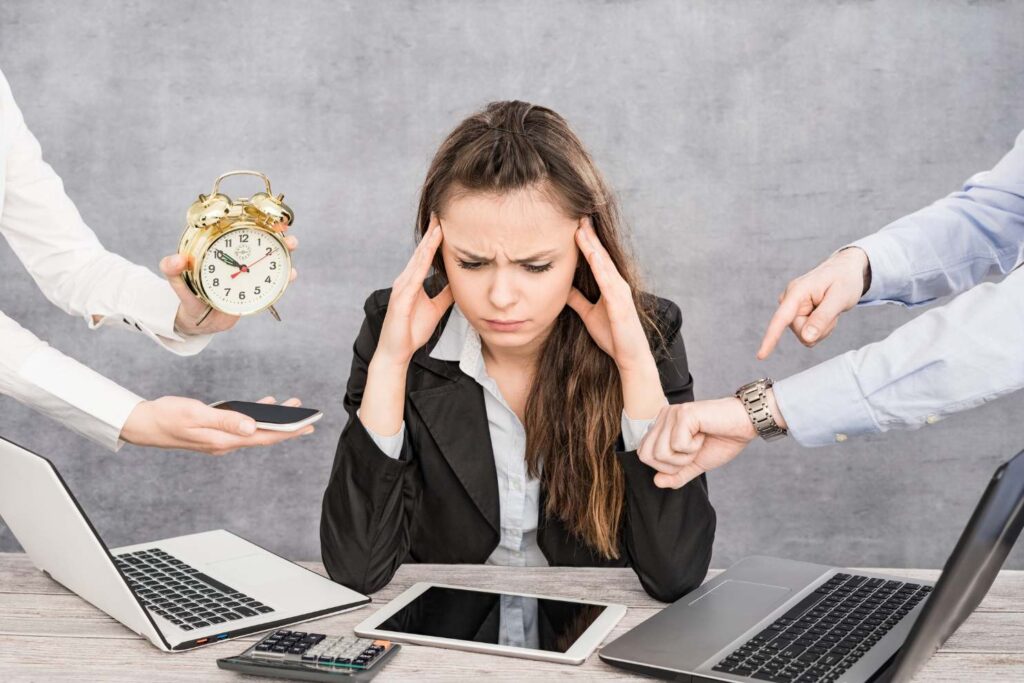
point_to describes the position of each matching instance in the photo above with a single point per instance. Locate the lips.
(505, 325)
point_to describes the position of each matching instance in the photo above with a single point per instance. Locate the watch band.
(754, 397)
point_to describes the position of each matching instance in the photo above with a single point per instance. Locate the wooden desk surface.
(49, 634)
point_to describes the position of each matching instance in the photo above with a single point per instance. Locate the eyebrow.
(535, 257)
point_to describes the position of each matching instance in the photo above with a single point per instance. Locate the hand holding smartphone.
(277, 418)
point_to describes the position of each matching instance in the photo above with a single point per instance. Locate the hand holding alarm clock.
(233, 258)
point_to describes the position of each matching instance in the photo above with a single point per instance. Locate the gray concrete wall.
(747, 140)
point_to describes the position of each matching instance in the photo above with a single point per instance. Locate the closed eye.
(528, 267)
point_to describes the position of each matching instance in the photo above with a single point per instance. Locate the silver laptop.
(768, 619)
(179, 593)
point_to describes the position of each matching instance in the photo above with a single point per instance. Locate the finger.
(596, 256)
(428, 249)
(679, 479)
(292, 242)
(784, 315)
(823, 318)
(173, 265)
(419, 262)
(798, 324)
(227, 421)
(579, 303)
(267, 399)
(172, 268)
(292, 402)
(662, 455)
(291, 276)
(281, 226)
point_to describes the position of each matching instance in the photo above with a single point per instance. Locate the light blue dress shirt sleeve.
(949, 359)
(955, 243)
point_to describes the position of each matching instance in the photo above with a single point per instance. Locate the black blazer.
(438, 502)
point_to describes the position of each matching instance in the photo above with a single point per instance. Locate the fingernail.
(810, 333)
(247, 428)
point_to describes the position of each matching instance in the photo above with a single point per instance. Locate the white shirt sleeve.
(633, 431)
(36, 374)
(390, 445)
(64, 257)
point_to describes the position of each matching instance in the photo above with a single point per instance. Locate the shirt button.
(932, 419)
(841, 437)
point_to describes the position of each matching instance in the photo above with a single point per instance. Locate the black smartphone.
(271, 416)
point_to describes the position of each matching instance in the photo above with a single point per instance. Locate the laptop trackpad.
(685, 635)
(252, 571)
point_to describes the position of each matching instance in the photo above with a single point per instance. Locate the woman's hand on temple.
(613, 321)
(413, 315)
(614, 325)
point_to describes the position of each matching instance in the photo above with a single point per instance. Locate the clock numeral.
(266, 279)
(273, 265)
(257, 290)
(227, 291)
(227, 243)
(270, 250)
(259, 241)
(241, 295)
(210, 268)
(216, 282)
(243, 237)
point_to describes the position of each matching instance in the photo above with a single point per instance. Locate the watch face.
(244, 271)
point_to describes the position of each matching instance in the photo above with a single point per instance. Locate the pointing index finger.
(784, 315)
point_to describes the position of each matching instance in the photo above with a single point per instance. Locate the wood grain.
(49, 634)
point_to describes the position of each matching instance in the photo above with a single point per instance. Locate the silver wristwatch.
(754, 397)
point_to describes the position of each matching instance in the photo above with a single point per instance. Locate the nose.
(503, 291)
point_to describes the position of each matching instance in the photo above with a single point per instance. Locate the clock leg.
(273, 312)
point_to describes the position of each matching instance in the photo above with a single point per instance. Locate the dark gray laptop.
(768, 619)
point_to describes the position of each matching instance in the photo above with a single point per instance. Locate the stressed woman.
(496, 404)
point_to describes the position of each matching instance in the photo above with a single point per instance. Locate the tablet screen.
(495, 618)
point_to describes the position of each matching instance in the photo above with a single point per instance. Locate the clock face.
(244, 271)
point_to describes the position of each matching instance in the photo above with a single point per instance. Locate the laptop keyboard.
(826, 632)
(181, 593)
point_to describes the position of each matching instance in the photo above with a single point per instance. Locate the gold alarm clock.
(237, 262)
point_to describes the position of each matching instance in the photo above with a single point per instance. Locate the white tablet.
(562, 630)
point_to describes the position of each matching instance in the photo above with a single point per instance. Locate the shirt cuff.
(79, 397)
(391, 446)
(890, 271)
(152, 308)
(824, 404)
(633, 431)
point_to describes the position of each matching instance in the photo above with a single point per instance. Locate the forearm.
(383, 402)
(642, 394)
(367, 511)
(950, 359)
(956, 242)
(56, 385)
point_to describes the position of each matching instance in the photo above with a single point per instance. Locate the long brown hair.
(573, 411)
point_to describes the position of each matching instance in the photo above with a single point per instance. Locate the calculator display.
(495, 618)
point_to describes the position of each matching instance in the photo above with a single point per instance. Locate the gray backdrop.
(747, 140)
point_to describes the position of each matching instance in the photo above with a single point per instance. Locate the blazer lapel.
(455, 415)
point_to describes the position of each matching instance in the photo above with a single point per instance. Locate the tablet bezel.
(584, 646)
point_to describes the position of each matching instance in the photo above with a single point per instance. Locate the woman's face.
(510, 261)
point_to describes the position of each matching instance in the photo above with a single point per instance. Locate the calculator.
(303, 656)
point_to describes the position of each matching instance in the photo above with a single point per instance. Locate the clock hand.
(226, 259)
(247, 268)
